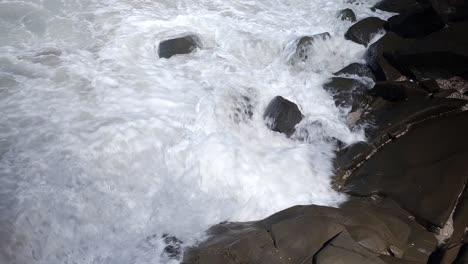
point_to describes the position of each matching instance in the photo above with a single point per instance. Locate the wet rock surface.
(305, 44)
(181, 45)
(347, 92)
(364, 30)
(282, 115)
(347, 15)
(426, 183)
(356, 69)
(361, 231)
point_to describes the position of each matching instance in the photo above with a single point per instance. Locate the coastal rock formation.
(361, 231)
(347, 15)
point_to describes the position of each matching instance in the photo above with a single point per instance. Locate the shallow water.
(104, 147)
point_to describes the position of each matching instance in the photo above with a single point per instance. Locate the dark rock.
(446, 93)
(282, 115)
(462, 257)
(442, 54)
(347, 92)
(451, 10)
(304, 45)
(376, 56)
(397, 6)
(347, 14)
(424, 171)
(182, 45)
(397, 91)
(387, 121)
(361, 231)
(363, 31)
(429, 85)
(458, 83)
(415, 23)
(173, 248)
(348, 159)
(358, 69)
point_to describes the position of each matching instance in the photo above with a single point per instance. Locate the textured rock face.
(361, 231)
(363, 31)
(282, 115)
(346, 92)
(182, 45)
(426, 183)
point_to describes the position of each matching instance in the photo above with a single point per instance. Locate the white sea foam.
(103, 144)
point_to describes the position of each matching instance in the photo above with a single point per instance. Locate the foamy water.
(104, 147)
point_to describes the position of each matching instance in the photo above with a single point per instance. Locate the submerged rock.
(348, 93)
(361, 231)
(364, 30)
(282, 115)
(181, 45)
(304, 45)
(424, 170)
(347, 15)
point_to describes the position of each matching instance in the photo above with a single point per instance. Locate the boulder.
(451, 10)
(356, 69)
(347, 15)
(449, 93)
(376, 56)
(397, 91)
(282, 115)
(347, 93)
(442, 54)
(181, 45)
(462, 257)
(364, 30)
(397, 6)
(361, 231)
(424, 170)
(304, 45)
(415, 22)
(429, 85)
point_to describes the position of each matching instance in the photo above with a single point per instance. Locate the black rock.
(182, 45)
(415, 23)
(462, 257)
(424, 170)
(361, 231)
(282, 115)
(397, 91)
(358, 69)
(429, 85)
(347, 92)
(442, 54)
(304, 45)
(363, 31)
(451, 10)
(397, 6)
(347, 14)
(376, 56)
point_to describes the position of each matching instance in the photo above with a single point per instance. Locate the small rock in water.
(358, 69)
(282, 115)
(363, 31)
(173, 249)
(304, 44)
(182, 45)
(347, 14)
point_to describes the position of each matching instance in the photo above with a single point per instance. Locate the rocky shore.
(407, 182)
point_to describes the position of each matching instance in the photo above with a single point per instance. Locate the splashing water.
(104, 147)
